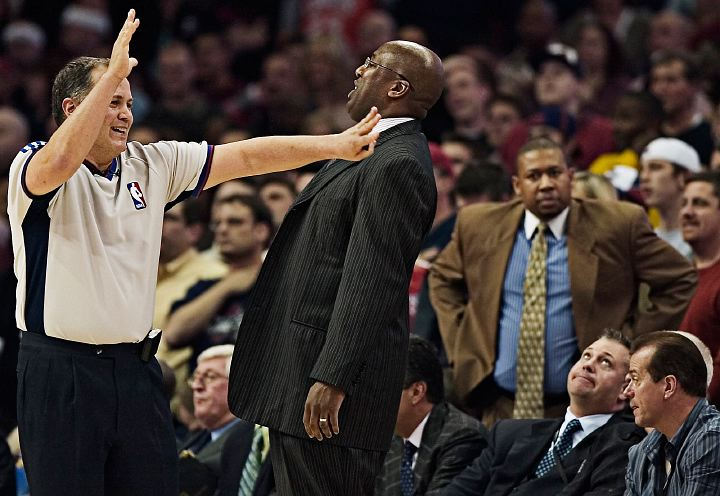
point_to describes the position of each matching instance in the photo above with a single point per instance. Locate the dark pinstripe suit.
(450, 442)
(330, 303)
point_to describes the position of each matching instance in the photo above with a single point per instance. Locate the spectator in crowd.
(557, 87)
(469, 84)
(668, 382)
(434, 441)
(14, 134)
(504, 112)
(211, 310)
(592, 187)
(585, 452)
(209, 384)
(674, 79)
(213, 71)
(665, 165)
(445, 209)
(181, 113)
(700, 220)
(460, 150)
(603, 68)
(669, 30)
(635, 122)
(278, 193)
(24, 43)
(181, 267)
(501, 279)
(96, 204)
(374, 28)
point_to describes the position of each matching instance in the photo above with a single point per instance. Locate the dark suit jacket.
(611, 249)
(450, 442)
(234, 455)
(331, 303)
(210, 454)
(595, 466)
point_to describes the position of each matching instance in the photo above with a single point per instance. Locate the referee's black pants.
(93, 420)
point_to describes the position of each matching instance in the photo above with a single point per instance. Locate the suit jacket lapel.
(334, 167)
(526, 453)
(583, 264)
(432, 430)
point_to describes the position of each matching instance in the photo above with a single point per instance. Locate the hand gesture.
(120, 61)
(357, 142)
(321, 410)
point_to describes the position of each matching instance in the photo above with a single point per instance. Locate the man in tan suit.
(594, 256)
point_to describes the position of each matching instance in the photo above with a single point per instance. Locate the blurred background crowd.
(603, 78)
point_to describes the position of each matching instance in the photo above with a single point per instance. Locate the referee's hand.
(121, 63)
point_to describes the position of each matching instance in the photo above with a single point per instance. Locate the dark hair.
(691, 69)
(712, 177)
(508, 99)
(615, 63)
(278, 179)
(617, 336)
(74, 81)
(539, 143)
(194, 211)
(261, 214)
(423, 365)
(674, 354)
(479, 178)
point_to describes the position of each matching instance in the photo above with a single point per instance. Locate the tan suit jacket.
(611, 250)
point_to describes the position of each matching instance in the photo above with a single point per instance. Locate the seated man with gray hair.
(201, 455)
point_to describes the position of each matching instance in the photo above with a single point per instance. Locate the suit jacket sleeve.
(459, 452)
(448, 291)
(475, 477)
(394, 211)
(670, 276)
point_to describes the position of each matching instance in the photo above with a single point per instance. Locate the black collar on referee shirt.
(111, 171)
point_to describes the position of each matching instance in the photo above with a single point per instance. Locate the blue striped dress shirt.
(561, 346)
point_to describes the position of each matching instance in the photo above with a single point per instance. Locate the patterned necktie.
(530, 363)
(406, 472)
(560, 450)
(252, 464)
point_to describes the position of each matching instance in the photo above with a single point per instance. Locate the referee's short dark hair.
(74, 81)
(423, 365)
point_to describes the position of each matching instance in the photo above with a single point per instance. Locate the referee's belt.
(145, 349)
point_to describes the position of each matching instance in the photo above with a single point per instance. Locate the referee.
(86, 211)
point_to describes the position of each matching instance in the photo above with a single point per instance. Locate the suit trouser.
(306, 467)
(93, 420)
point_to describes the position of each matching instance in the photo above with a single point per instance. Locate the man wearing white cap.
(700, 219)
(664, 165)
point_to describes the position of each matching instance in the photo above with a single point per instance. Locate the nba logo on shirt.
(137, 195)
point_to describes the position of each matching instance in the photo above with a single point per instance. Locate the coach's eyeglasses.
(369, 62)
(205, 379)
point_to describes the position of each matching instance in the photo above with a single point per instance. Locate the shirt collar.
(589, 423)
(216, 433)
(679, 438)
(388, 122)
(556, 224)
(416, 437)
(108, 173)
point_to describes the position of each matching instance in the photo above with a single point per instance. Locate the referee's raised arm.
(64, 153)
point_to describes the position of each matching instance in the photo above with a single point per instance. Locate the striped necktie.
(530, 363)
(560, 450)
(252, 464)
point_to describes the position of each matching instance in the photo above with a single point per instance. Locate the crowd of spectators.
(629, 91)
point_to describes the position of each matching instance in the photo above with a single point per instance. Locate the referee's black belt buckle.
(149, 345)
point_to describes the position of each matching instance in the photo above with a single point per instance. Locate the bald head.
(422, 67)
(402, 79)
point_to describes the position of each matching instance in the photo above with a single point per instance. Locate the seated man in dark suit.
(584, 453)
(434, 441)
(200, 453)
